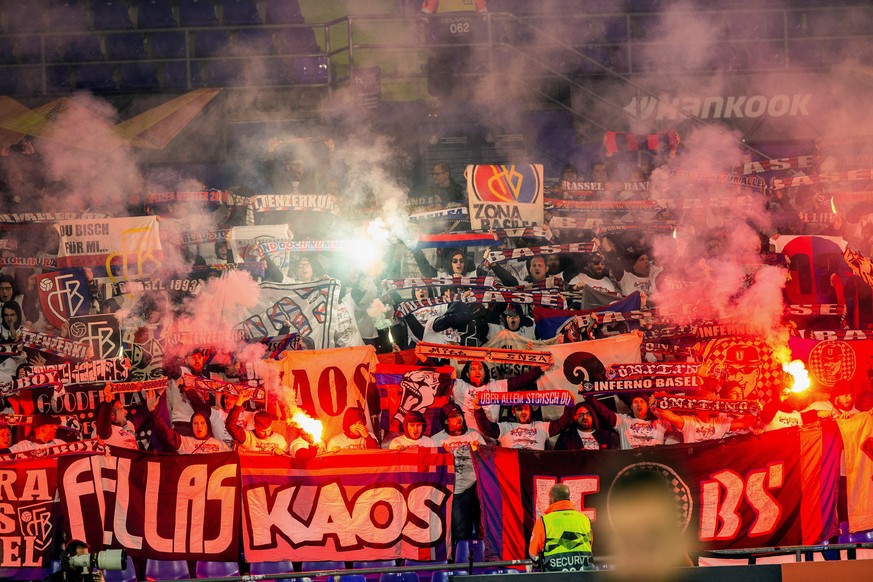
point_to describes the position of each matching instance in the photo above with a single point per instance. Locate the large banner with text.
(360, 505)
(774, 490)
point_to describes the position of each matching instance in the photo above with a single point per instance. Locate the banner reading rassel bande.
(358, 505)
(123, 248)
(502, 196)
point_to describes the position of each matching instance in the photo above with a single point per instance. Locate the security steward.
(562, 537)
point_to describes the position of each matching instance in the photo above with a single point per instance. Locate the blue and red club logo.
(507, 184)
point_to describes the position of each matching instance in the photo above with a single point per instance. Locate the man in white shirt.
(413, 433)
(260, 440)
(595, 276)
(42, 436)
(355, 434)
(523, 433)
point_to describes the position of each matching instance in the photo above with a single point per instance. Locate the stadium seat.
(137, 76)
(94, 77)
(207, 569)
(283, 567)
(25, 16)
(861, 537)
(155, 14)
(462, 551)
(425, 575)
(81, 47)
(167, 570)
(277, 71)
(168, 45)
(399, 577)
(126, 46)
(173, 75)
(209, 43)
(197, 13)
(296, 41)
(7, 51)
(241, 12)
(69, 15)
(253, 41)
(310, 70)
(353, 578)
(111, 15)
(373, 564)
(58, 79)
(126, 575)
(29, 49)
(316, 566)
(283, 12)
(443, 575)
(222, 73)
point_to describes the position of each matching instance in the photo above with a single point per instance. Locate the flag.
(303, 308)
(831, 361)
(324, 383)
(63, 294)
(121, 248)
(550, 321)
(502, 196)
(747, 494)
(357, 505)
(405, 389)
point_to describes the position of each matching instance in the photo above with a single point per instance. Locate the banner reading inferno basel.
(773, 490)
(169, 507)
(28, 524)
(359, 505)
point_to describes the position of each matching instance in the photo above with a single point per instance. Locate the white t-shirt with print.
(459, 446)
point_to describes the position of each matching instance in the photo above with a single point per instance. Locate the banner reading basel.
(29, 519)
(167, 507)
(774, 490)
(121, 248)
(361, 505)
(502, 196)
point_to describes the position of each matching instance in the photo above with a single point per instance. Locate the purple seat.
(95, 77)
(283, 567)
(208, 43)
(861, 537)
(58, 79)
(318, 566)
(197, 13)
(155, 14)
(372, 565)
(168, 45)
(209, 569)
(126, 575)
(111, 15)
(24, 16)
(462, 551)
(399, 577)
(443, 575)
(174, 75)
(69, 15)
(81, 47)
(167, 570)
(424, 575)
(137, 76)
(237, 12)
(283, 12)
(353, 578)
(126, 46)
(310, 70)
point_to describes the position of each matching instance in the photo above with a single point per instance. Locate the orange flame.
(833, 206)
(311, 426)
(800, 377)
(675, 233)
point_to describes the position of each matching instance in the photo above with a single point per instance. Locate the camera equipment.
(105, 560)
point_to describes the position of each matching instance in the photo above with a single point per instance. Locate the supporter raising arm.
(524, 433)
(638, 429)
(476, 377)
(202, 442)
(116, 427)
(260, 440)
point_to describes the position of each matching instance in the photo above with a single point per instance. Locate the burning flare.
(800, 377)
(833, 206)
(311, 426)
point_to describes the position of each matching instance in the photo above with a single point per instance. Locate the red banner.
(359, 505)
(774, 490)
(29, 516)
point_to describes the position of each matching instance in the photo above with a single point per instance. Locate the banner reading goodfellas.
(502, 196)
(774, 490)
(126, 248)
(359, 505)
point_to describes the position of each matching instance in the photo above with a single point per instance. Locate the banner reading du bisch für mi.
(774, 490)
(501, 196)
(123, 248)
(170, 508)
(358, 505)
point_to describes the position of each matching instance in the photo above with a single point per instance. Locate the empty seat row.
(81, 15)
(124, 46)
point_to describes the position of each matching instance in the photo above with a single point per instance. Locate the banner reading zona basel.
(776, 489)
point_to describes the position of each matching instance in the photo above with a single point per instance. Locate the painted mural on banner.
(167, 508)
(754, 493)
(303, 308)
(324, 383)
(833, 361)
(120, 248)
(360, 505)
(29, 521)
(501, 196)
(404, 389)
(63, 294)
(748, 361)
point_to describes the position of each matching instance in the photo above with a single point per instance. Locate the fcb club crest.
(505, 195)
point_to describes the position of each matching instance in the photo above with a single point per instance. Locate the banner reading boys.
(503, 196)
